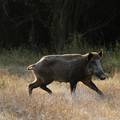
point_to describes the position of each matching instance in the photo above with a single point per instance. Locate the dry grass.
(15, 104)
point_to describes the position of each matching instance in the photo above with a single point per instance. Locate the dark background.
(47, 24)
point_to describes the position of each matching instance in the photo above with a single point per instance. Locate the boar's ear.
(90, 55)
(100, 53)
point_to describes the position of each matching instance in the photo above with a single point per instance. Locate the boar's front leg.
(73, 85)
(91, 85)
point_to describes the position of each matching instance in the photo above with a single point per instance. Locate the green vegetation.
(16, 59)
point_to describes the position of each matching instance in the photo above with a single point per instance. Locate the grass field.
(15, 104)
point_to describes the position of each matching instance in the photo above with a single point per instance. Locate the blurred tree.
(25, 22)
(93, 19)
(39, 24)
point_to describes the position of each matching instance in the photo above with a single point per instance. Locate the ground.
(16, 104)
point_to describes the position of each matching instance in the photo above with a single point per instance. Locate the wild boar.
(70, 68)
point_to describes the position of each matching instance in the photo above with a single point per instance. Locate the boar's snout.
(104, 76)
(101, 75)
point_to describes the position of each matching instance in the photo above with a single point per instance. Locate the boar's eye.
(90, 56)
(100, 53)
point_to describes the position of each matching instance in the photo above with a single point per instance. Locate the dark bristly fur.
(70, 68)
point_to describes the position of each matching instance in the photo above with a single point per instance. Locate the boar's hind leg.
(44, 87)
(33, 85)
(91, 85)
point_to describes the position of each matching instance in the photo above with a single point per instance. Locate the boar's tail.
(31, 67)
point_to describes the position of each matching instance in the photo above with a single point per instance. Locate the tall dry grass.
(15, 104)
